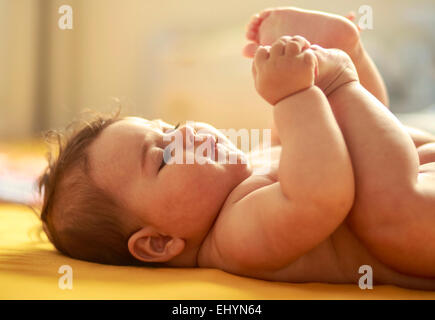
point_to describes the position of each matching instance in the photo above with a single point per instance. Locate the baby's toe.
(249, 50)
(265, 13)
(252, 28)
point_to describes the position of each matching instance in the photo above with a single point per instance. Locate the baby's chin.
(237, 164)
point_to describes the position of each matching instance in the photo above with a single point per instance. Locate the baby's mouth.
(208, 141)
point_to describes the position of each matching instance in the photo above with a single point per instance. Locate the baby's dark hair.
(82, 220)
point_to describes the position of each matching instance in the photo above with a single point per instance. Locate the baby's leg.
(324, 29)
(329, 31)
(420, 137)
(394, 208)
(426, 153)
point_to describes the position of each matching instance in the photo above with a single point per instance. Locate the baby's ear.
(148, 245)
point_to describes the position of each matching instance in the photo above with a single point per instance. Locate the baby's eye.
(166, 157)
(173, 129)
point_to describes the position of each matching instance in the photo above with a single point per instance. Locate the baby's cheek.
(184, 185)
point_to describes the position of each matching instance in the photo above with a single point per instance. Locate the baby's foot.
(324, 29)
(335, 68)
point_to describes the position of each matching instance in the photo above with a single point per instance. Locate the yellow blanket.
(29, 270)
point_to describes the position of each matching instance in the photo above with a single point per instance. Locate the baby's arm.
(315, 165)
(277, 223)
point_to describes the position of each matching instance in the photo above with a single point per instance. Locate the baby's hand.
(288, 66)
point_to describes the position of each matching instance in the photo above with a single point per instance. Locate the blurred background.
(177, 60)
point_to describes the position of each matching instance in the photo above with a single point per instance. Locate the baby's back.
(337, 259)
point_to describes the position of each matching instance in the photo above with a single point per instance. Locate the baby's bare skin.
(338, 257)
(335, 260)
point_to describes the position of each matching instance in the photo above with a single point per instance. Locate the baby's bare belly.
(338, 260)
(335, 260)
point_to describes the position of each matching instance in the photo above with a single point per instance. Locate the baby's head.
(110, 198)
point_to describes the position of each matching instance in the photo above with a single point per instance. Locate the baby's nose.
(188, 135)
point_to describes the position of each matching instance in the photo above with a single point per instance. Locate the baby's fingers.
(295, 45)
(310, 59)
(261, 55)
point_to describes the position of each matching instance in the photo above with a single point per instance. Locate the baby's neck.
(189, 256)
(187, 259)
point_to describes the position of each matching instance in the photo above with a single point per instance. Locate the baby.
(347, 186)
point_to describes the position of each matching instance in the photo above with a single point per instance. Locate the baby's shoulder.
(209, 255)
